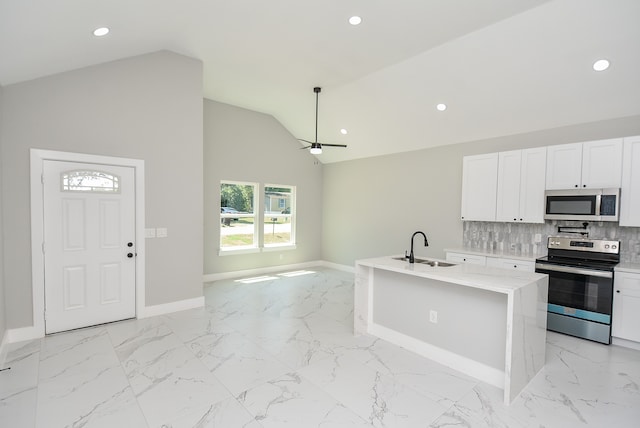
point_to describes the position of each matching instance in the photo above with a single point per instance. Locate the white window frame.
(255, 247)
(291, 216)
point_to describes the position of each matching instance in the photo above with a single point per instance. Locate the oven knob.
(606, 246)
(614, 247)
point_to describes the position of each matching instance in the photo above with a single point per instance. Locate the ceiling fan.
(316, 148)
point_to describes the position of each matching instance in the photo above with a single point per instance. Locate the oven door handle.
(569, 269)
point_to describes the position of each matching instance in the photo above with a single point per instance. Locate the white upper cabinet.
(602, 163)
(521, 185)
(479, 187)
(594, 164)
(564, 166)
(630, 189)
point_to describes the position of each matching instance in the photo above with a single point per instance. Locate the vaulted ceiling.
(502, 67)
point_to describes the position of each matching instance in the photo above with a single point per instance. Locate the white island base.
(486, 322)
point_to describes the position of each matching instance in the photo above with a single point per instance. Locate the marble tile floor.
(278, 351)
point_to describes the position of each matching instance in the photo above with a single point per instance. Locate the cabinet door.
(508, 197)
(602, 163)
(564, 166)
(532, 185)
(630, 191)
(626, 306)
(473, 259)
(479, 187)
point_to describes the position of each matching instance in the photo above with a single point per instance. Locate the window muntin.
(89, 181)
(238, 222)
(279, 225)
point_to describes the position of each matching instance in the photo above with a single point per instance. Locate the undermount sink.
(433, 263)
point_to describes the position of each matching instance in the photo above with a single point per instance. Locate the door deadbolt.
(129, 255)
(129, 244)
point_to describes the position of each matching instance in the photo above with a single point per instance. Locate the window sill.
(236, 251)
(283, 247)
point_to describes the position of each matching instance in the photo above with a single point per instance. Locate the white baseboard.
(3, 349)
(626, 343)
(450, 359)
(271, 269)
(337, 266)
(167, 308)
(14, 335)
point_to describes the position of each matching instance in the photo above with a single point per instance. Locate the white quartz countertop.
(501, 254)
(486, 278)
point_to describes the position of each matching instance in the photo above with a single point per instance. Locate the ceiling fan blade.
(306, 141)
(333, 145)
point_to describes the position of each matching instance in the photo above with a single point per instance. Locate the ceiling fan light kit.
(315, 147)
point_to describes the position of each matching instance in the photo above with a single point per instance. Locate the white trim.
(278, 247)
(3, 349)
(238, 250)
(14, 335)
(37, 226)
(625, 343)
(344, 268)
(480, 371)
(166, 308)
(252, 272)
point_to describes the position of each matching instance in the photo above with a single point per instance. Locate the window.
(238, 215)
(89, 181)
(241, 228)
(278, 215)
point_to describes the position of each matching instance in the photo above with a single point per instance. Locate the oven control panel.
(583, 244)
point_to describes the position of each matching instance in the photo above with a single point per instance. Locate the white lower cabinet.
(626, 306)
(466, 258)
(491, 261)
(503, 263)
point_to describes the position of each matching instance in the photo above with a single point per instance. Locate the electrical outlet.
(161, 232)
(149, 233)
(433, 316)
(537, 238)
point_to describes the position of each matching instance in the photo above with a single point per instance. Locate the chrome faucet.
(411, 258)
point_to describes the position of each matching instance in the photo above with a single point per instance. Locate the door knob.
(129, 255)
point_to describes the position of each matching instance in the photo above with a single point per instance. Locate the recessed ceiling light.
(441, 107)
(343, 131)
(102, 31)
(355, 20)
(601, 65)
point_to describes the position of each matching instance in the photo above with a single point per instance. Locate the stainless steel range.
(580, 285)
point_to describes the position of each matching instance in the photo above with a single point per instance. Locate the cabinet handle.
(584, 185)
(515, 266)
(617, 291)
(576, 185)
(514, 219)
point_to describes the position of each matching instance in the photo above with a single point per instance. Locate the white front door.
(89, 244)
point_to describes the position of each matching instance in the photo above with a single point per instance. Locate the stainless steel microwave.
(582, 204)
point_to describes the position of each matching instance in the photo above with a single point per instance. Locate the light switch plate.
(150, 233)
(161, 232)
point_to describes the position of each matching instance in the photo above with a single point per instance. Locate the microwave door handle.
(598, 203)
(569, 269)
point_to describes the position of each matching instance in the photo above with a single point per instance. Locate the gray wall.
(3, 323)
(147, 107)
(243, 145)
(372, 206)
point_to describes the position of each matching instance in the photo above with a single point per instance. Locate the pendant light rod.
(317, 90)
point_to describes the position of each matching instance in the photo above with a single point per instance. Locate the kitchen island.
(486, 322)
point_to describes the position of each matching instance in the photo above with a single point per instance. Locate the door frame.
(38, 157)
